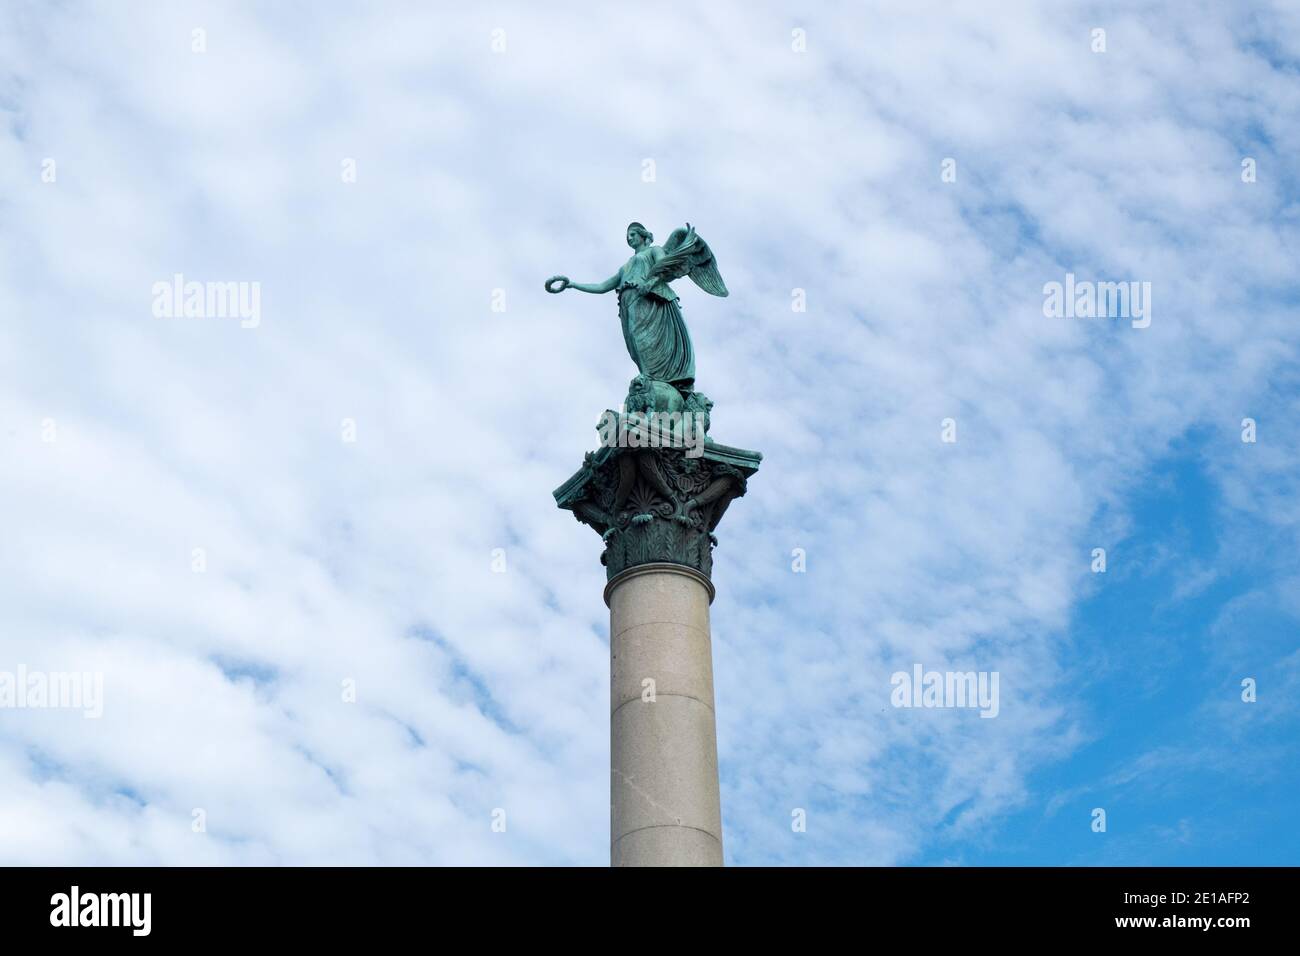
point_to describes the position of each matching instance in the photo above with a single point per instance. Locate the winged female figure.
(653, 328)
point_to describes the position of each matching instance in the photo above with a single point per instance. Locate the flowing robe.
(653, 328)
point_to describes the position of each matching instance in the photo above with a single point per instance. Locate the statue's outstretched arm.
(598, 288)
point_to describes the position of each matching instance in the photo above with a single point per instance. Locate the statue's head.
(638, 235)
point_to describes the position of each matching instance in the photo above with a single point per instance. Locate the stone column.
(655, 509)
(664, 803)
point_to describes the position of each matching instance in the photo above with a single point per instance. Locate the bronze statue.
(653, 328)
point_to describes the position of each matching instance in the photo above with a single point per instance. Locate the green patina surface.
(658, 504)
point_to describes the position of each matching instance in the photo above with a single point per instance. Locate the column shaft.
(664, 803)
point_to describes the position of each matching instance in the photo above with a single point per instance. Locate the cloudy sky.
(236, 522)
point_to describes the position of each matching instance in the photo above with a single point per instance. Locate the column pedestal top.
(658, 567)
(657, 506)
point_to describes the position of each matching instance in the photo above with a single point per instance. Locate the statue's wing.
(686, 254)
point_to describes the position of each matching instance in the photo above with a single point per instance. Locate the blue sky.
(350, 465)
(1186, 776)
